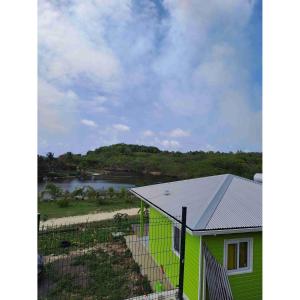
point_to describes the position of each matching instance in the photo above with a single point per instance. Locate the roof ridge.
(247, 179)
(213, 204)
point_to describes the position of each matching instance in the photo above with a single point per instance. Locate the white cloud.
(178, 132)
(170, 143)
(121, 127)
(57, 109)
(148, 133)
(94, 105)
(89, 123)
(117, 53)
(66, 53)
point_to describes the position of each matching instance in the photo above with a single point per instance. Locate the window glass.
(232, 257)
(243, 259)
(176, 239)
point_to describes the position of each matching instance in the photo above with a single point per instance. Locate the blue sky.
(178, 74)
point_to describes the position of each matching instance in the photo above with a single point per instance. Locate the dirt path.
(88, 218)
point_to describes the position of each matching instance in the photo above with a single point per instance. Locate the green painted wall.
(246, 286)
(160, 243)
(191, 266)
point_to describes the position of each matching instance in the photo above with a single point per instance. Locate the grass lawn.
(51, 209)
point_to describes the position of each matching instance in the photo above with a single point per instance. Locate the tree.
(53, 190)
(50, 156)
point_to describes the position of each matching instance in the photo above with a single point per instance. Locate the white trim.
(199, 269)
(204, 281)
(173, 248)
(248, 269)
(226, 231)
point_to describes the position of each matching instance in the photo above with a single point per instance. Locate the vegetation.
(146, 160)
(88, 274)
(82, 201)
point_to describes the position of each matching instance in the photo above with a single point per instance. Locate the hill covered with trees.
(150, 160)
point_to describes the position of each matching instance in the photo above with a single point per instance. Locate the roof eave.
(226, 231)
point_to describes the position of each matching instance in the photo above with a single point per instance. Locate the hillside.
(147, 160)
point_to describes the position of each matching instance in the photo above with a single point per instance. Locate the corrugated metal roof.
(214, 202)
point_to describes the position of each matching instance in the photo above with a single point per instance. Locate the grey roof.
(213, 203)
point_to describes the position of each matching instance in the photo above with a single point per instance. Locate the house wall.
(160, 243)
(246, 286)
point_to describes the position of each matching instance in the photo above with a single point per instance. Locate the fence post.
(182, 252)
(39, 218)
(142, 219)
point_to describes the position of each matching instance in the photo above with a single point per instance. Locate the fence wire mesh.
(122, 258)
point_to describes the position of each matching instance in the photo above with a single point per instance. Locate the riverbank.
(51, 210)
(88, 217)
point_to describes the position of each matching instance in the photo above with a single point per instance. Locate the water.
(104, 182)
(97, 184)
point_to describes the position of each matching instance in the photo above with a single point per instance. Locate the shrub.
(53, 190)
(91, 193)
(111, 192)
(135, 268)
(100, 199)
(64, 202)
(44, 217)
(123, 193)
(121, 221)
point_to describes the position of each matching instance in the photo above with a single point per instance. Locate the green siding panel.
(247, 286)
(191, 266)
(160, 243)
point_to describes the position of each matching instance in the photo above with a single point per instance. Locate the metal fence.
(122, 258)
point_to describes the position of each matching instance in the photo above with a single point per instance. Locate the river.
(105, 182)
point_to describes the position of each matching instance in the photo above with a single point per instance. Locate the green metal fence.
(108, 259)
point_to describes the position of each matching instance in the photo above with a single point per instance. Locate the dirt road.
(88, 217)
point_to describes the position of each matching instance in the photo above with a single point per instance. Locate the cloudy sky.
(178, 74)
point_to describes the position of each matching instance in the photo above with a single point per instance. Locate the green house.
(223, 246)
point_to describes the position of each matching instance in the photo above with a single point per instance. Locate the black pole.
(39, 218)
(182, 252)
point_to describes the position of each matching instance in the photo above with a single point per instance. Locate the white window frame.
(248, 269)
(173, 234)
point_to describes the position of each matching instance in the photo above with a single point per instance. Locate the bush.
(111, 192)
(64, 202)
(123, 193)
(136, 268)
(121, 221)
(100, 200)
(53, 190)
(44, 217)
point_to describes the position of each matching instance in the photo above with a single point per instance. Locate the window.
(176, 240)
(238, 256)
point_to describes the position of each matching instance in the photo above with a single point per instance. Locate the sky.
(182, 75)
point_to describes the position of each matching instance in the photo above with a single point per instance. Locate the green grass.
(81, 236)
(51, 209)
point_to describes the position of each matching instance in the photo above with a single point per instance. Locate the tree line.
(147, 159)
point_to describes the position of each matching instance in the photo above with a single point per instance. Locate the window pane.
(243, 259)
(176, 239)
(231, 257)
